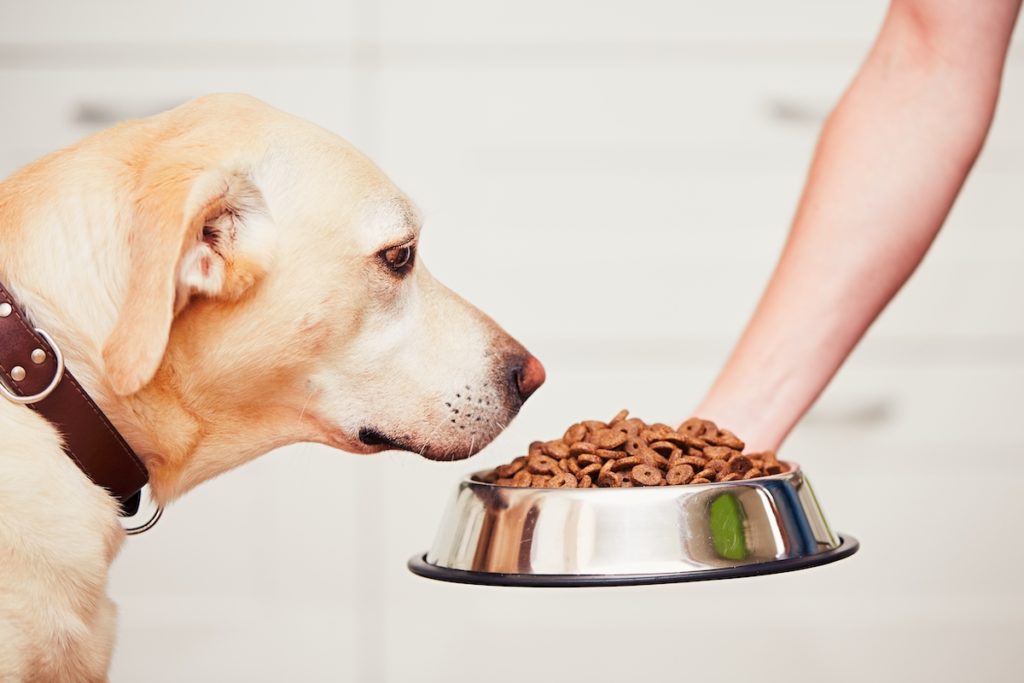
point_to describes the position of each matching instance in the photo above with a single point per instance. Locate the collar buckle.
(58, 375)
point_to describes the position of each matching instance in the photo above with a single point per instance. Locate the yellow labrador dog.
(224, 279)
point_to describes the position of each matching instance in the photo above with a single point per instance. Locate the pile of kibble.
(629, 452)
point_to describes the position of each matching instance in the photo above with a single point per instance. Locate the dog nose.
(528, 377)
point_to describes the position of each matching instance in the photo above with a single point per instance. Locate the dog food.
(629, 452)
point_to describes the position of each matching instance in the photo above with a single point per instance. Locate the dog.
(223, 279)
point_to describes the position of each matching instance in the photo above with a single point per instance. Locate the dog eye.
(400, 259)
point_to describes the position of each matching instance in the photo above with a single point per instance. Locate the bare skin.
(889, 164)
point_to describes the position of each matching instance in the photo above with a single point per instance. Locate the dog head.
(274, 292)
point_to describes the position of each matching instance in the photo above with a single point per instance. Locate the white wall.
(574, 159)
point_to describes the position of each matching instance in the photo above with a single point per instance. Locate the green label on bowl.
(727, 528)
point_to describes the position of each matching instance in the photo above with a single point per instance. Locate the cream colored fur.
(213, 275)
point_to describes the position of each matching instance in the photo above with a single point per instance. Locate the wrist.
(762, 416)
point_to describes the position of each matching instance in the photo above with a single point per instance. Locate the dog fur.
(217, 278)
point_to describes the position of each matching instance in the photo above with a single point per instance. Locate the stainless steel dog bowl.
(500, 535)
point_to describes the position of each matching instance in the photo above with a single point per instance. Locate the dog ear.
(194, 234)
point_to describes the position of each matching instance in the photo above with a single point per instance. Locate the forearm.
(889, 164)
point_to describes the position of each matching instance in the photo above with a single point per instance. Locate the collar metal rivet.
(17, 373)
(5, 310)
(38, 356)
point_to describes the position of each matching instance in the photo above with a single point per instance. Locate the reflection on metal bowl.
(501, 535)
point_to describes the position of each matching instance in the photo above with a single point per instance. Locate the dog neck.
(66, 261)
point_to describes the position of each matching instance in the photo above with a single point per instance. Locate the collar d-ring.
(158, 512)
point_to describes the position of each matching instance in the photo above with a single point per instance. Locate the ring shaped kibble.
(627, 452)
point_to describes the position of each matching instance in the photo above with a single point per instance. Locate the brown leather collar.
(32, 373)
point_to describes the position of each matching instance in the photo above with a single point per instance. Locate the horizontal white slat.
(455, 21)
(223, 22)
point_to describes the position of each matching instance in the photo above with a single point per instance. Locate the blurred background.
(612, 181)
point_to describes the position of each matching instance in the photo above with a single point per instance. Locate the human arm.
(890, 162)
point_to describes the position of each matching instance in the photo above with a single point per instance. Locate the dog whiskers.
(426, 441)
(305, 405)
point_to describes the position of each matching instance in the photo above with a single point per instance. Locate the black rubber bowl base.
(418, 564)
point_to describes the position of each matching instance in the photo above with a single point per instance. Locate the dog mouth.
(371, 437)
(382, 442)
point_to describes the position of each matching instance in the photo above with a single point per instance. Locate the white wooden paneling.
(454, 22)
(220, 22)
(251, 577)
(640, 191)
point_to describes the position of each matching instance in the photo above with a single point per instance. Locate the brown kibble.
(630, 427)
(581, 448)
(556, 449)
(575, 434)
(629, 452)
(608, 438)
(725, 438)
(489, 477)
(663, 447)
(718, 452)
(677, 439)
(740, 464)
(680, 474)
(633, 444)
(562, 481)
(676, 458)
(693, 427)
(719, 466)
(511, 468)
(709, 427)
(648, 475)
(694, 443)
(625, 463)
(649, 457)
(542, 464)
